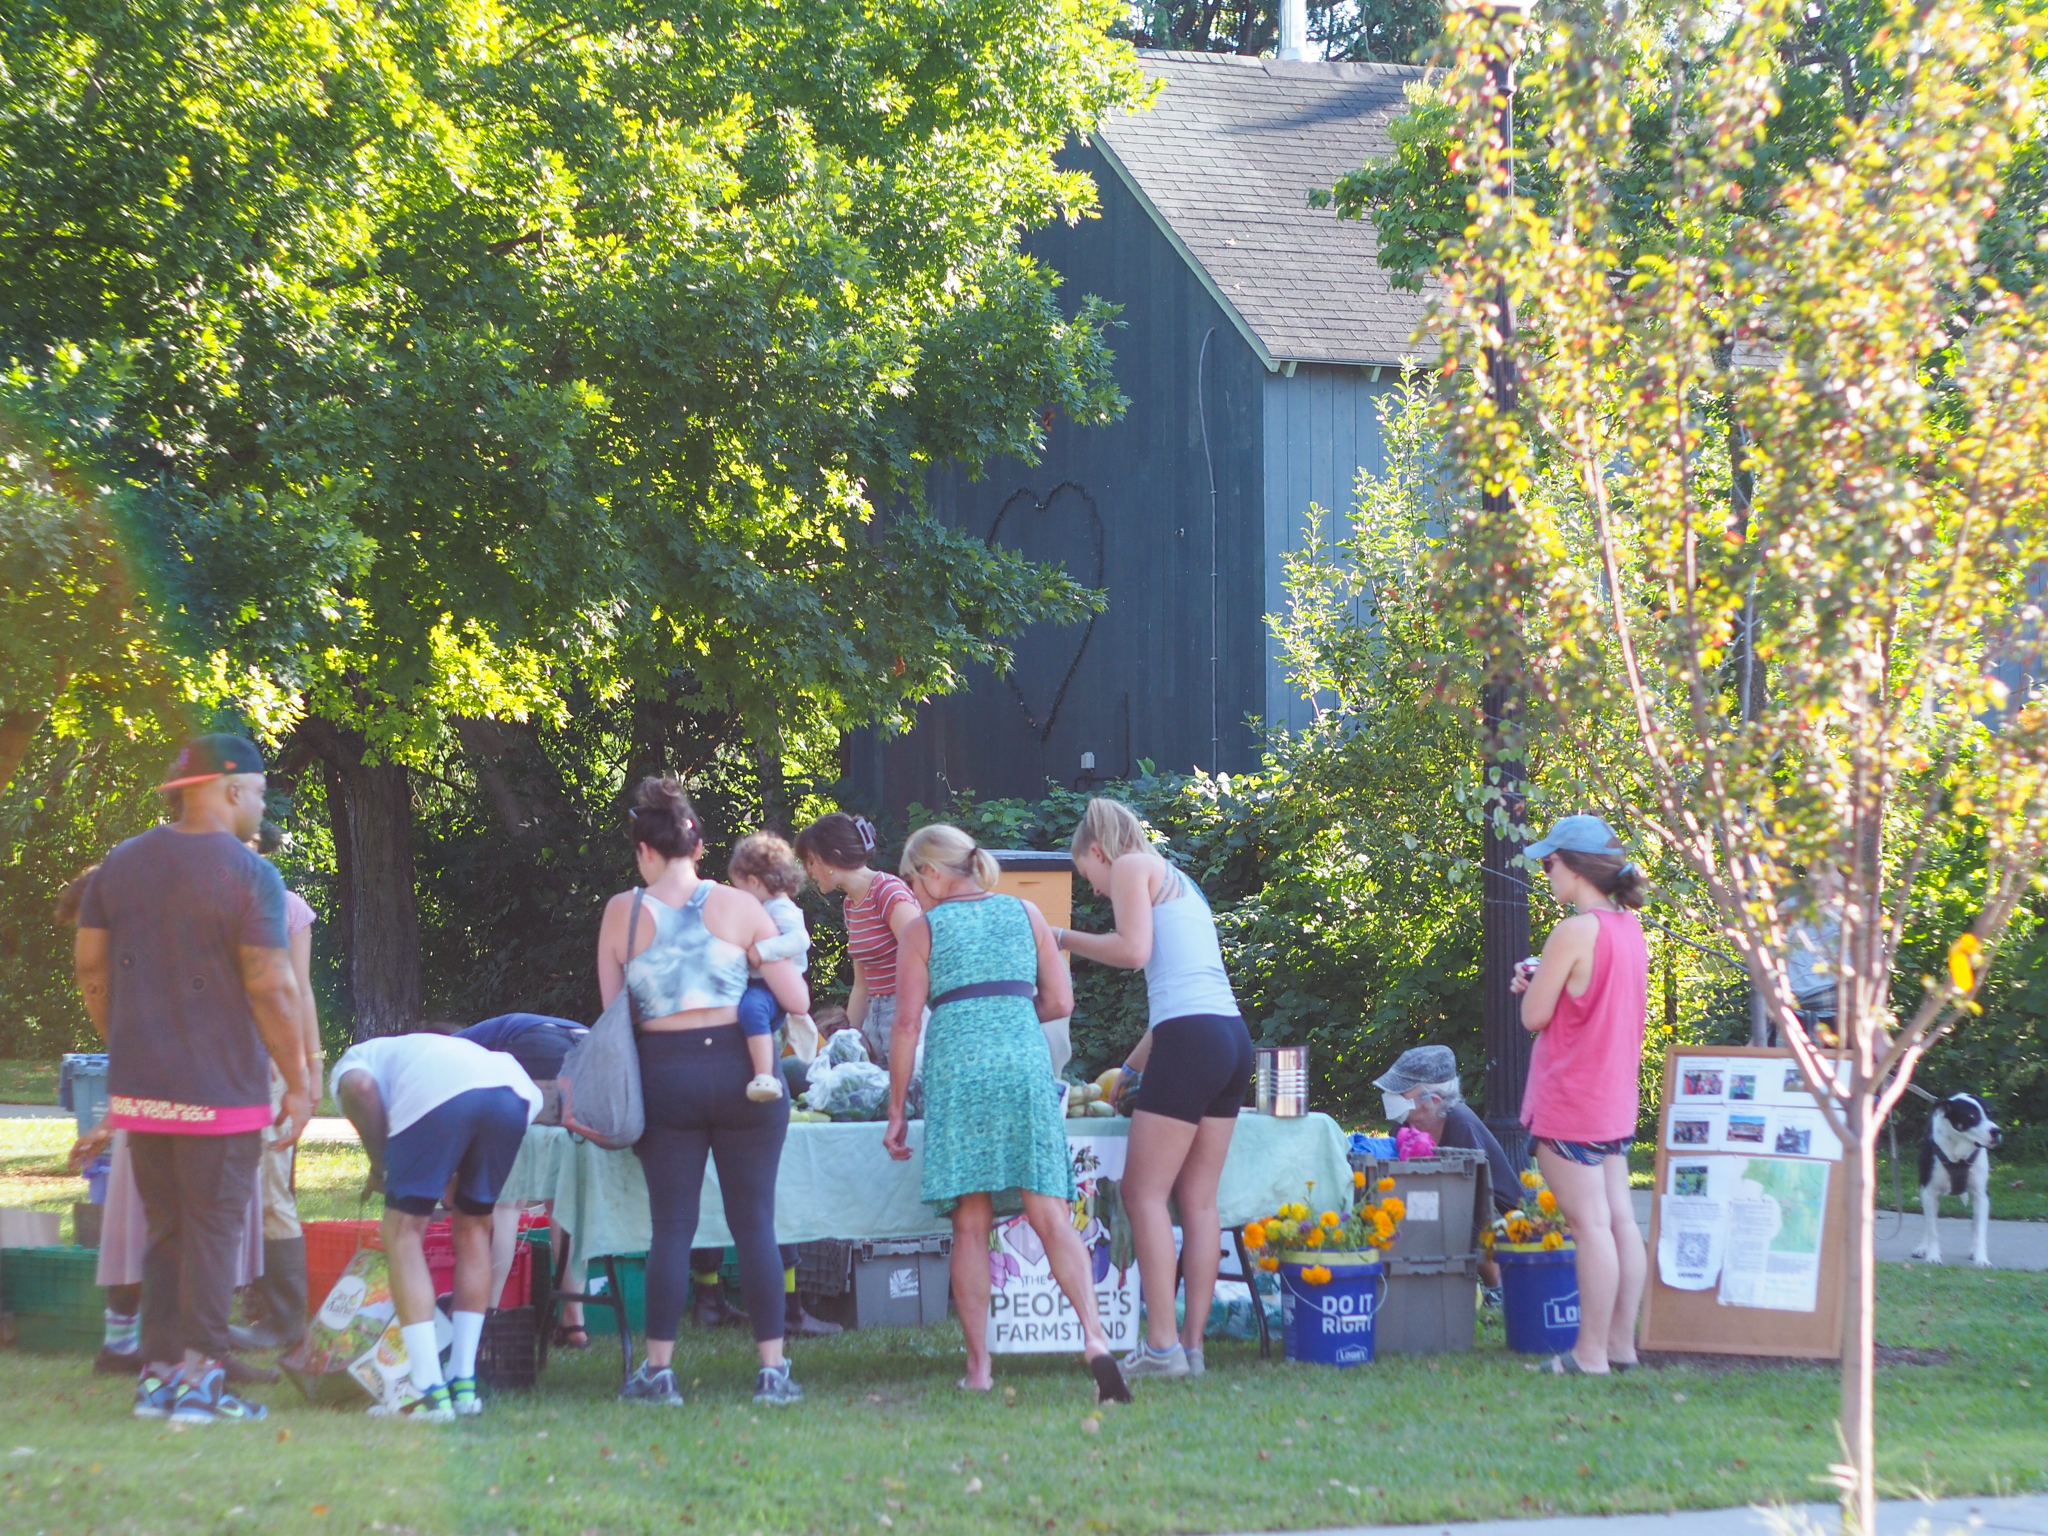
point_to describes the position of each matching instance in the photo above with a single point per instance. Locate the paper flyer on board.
(1772, 1254)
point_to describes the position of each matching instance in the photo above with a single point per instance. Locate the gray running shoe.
(1195, 1366)
(774, 1389)
(1158, 1364)
(651, 1384)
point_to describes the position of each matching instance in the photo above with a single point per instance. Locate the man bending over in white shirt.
(438, 1116)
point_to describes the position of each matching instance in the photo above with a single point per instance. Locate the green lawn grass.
(883, 1432)
(28, 1082)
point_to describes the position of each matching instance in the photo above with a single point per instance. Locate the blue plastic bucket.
(96, 1173)
(1332, 1323)
(1539, 1293)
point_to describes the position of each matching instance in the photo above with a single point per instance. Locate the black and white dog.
(1955, 1159)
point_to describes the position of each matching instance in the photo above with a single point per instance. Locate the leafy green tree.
(1371, 31)
(1890, 545)
(450, 362)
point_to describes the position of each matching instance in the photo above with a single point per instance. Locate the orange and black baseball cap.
(211, 757)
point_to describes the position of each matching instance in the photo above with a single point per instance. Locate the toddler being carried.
(766, 868)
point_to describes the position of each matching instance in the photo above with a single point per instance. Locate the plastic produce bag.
(354, 1344)
(843, 1047)
(854, 1090)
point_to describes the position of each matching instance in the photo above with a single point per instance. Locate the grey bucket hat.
(1576, 834)
(1424, 1064)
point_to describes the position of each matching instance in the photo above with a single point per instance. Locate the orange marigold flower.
(1254, 1235)
(1394, 1207)
(1546, 1202)
(1358, 1178)
(1332, 1219)
(1386, 1184)
(1269, 1263)
(1313, 1237)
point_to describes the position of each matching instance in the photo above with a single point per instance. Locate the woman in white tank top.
(1192, 1069)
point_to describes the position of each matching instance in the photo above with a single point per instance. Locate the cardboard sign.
(1027, 1311)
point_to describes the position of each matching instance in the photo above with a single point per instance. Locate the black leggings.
(694, 1082)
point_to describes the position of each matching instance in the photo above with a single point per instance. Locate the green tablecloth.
(836, 1181)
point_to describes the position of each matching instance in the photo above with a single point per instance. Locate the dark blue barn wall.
(1138, 684)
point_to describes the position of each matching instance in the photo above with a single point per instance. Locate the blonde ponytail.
(943, 849)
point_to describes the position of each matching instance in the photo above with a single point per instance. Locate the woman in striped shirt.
(879, 907)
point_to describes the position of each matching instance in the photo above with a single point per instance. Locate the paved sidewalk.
(2026, 1515)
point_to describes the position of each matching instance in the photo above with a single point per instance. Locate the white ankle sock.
(469, 1327)
(422, 1358)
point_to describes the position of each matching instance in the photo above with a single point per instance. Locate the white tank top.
(1185, 974)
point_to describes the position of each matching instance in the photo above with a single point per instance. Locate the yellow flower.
(1314, 1237)
(1386, 1184)
(1553, 1239)
(1531, 1179)
(1332, 1219)
(1315, 1274)
(1962, 961)
(1358, 1178)
(1486, 1239)
(1254, 1235)
(1395, 1209)
(1546, 1202)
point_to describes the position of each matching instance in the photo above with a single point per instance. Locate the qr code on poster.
(1692, 1250)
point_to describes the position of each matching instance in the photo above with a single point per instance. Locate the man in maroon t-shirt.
(181, 957)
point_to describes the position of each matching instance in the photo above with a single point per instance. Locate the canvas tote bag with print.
(600, 1077)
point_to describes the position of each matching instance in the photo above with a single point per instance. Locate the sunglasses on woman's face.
(1548, 860)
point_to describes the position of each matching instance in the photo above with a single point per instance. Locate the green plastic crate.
(632, 1270)
(57, 1308)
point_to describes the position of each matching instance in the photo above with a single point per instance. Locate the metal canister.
(1283, 1080)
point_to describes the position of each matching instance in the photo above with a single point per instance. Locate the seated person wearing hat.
(438, 1116)
(1422, 1091)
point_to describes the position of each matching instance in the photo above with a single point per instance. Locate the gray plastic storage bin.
(1431, 1307)
(1441, 1194)
(901, 1282)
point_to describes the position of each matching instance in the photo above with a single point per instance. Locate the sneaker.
(1159, 1364)
(435, 1406)
(462, 1397)
(774, 1388)
(156, 1393)
(654, 1384)
(1195, 1366)
(765, 1089)
(210, 1402)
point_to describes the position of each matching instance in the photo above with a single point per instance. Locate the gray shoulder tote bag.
(600, 1077)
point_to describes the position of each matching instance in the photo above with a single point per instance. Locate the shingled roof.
(1224, 160)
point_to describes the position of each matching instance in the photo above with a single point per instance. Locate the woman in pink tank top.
(1586, 1002)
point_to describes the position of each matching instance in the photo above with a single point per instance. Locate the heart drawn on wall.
(1062, 528)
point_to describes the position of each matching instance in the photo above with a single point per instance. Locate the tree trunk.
(18, 729)
(370, 808)
(1859, 1325)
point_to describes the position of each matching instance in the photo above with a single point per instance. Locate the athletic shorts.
(1588, 1154)
(1199, 1068)
(473, 1138)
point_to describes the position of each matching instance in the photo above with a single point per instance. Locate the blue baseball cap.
(1576, 834)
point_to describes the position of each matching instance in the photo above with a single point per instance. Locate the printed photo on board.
(1794, 1141)
(1689, 1179)
(1701, 1084)
(1794, 1083)
(1742, 1085)
(1692, 1133)
(1746, 1128)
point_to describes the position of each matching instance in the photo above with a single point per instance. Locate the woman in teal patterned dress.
(992, 1120)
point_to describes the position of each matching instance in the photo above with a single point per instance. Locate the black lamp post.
(1504, 921)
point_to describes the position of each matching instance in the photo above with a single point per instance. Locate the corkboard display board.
(1733, 1128)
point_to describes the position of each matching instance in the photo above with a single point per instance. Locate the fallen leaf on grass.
(1678, 1397)
(1584, 1470)
(973, 1485)
(319, 1509)
(1265, 1455)
(1091, 1425)
(884, 1520)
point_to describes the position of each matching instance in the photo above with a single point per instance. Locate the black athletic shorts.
(1199, 1068)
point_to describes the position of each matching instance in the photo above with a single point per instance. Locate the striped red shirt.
(869, 938)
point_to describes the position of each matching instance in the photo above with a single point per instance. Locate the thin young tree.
(1896, 398)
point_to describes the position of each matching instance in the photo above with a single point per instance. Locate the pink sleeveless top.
(1585, 1072)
